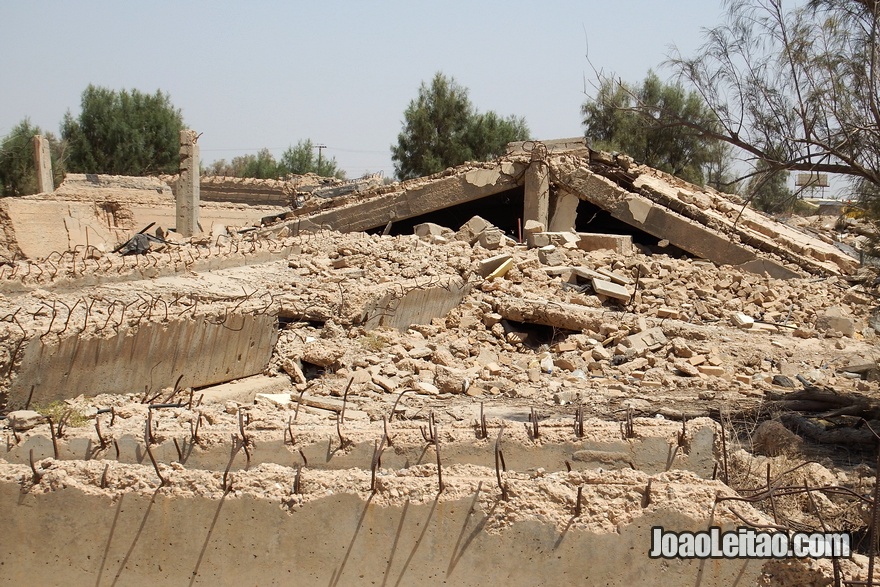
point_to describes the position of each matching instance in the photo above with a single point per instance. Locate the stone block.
(614, 277)
(488, 266)
(550, 255)
(617, 243)
(491, 239)
(715, 371)
(501, 270)
(651, 339)
(611, 290)
(470, 230)
(836, 320)
(531, 227)
(741, 320)
(427, 229)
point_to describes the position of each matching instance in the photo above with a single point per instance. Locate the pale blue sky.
(252, 74)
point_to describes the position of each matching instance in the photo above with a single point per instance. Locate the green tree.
(441, 129)
(300, 159)
(794, 89)
(629, 118)
(261, 166)
(123, 133)
(296, 160)
(18, 174)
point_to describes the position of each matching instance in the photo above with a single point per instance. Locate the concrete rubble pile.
(344, 407)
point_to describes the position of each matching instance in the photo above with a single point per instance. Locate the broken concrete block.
(835, 319)
(772, 438)
(386, 383)
(22, 420)
(741, 320)
(559, 239)
(501, 270)
(494, 369)
(278, 399)
(323, 353)
(491, 239)
(686, 368)
(428, 388)
(487, 266)
(714, 371)
(550, 255)
(531, 227)
(244, 390)
(611, 290)
(618, 243)
(322, 402)
(470, 230)
(293, 368)
(651, 339)
(664, 312)
(427, 229)
(449, 380)
(614, 277)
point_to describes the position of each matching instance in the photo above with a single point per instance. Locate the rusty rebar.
(498, 457)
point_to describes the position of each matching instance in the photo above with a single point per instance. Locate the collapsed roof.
(557, 176)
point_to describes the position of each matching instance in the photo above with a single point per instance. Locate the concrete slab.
(414, 199)
(243, 391)
(202, 351)
(618, 243)
(610, 289)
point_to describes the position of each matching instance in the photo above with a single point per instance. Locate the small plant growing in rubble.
(373, 342)
(58, 411)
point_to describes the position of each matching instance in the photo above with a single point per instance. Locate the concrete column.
(188, 185)
(43, 163)
(536, 204)
(564, 215)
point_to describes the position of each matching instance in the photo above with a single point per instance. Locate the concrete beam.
(188, 185)
(553, 146)
(644, 214)
(43, 164)
(368, 212)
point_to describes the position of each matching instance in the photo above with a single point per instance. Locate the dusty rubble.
(390, 350)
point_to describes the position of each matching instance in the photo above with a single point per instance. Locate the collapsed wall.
(448, 407)
(465, 535)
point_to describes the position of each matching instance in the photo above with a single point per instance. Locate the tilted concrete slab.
(415, 198)
(658, 220)
(748, 225)
(152, 355)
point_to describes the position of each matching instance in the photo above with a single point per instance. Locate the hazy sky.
(252, 74)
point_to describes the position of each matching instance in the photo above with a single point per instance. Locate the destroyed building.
(507, 370)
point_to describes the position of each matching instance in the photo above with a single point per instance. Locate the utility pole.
(320, 151)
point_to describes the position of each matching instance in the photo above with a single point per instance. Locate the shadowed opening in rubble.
(592, 218)
(536, 334)
(503, 210)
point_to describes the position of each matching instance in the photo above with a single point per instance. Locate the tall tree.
(18, 174)
(123, 133)
(624, 117)
(297, 160)
(300, 159)
(441, 128)
(794, 89)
